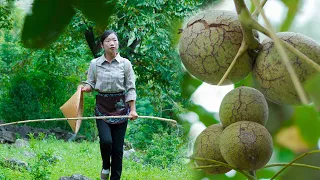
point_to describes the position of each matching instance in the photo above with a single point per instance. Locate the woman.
(112, 77)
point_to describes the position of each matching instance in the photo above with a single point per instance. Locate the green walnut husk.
(209, 44)
(270, 73)
(207, 146)
(243, 104)
(246, 145)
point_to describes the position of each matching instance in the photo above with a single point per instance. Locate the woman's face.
(111, 44)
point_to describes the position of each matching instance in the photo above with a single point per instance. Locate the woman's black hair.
(106, 34)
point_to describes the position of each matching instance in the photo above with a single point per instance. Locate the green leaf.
(279, 117)
(308, 121)
(305, 173)
(284, 154)
(293, 6)
(46, 23)
(207, 118)
(207, 3)
(176, 31)
(248, 81)
(252, 7)
(6, 20)
(312, 87)
(199, 174)
(98, 11)
(189, 84)
(265, 173)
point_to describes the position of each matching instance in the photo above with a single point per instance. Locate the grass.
(78, 158)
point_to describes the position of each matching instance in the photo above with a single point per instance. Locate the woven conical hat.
(74, 108)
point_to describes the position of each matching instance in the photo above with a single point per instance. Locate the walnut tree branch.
(284, 56)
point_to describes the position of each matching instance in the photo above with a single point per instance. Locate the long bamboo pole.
(87, 118)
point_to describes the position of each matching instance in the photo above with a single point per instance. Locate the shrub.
(164, 150)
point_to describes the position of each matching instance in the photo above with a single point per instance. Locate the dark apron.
(112, 104)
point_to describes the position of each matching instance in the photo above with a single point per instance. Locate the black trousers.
(111, 144)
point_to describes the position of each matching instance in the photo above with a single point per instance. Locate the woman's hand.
(86, 88)
(133, 114)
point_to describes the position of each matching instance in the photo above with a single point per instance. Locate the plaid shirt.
(110, 77)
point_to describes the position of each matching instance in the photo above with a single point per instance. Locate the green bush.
(42, 165)
(21, 102)
(141, 132)
(164, 150)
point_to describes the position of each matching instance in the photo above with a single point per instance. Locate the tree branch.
(293, 164)
(223, 165)
(207, 167)
(297, 84)
(134, 44)
(249, 41)
(245, 17)
(256, 12)
(296, 159)
(242, 49)
(92, 43)
(253, 174)
(257, 26)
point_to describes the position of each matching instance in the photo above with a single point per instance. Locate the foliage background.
(38, 76)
